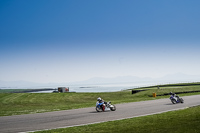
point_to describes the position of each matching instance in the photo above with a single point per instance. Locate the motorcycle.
(176, 99)
(105, 106)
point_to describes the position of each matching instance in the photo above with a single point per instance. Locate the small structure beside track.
(63, 89)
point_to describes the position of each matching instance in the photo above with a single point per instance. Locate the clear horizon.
(66, 41)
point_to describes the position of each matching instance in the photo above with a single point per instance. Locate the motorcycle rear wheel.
(113, 108)
(182, 101)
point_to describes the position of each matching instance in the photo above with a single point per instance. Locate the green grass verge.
(181, 121)
(26, 103)
(174, 85)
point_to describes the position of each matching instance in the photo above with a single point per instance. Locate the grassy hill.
(25, 103)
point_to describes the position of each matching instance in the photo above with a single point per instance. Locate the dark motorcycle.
(176, 99)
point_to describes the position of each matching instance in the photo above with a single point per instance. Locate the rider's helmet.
(98, 99)
(170, 93)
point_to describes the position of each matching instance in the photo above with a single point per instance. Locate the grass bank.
(24, 90)
(12, 90)
(181, 121)
(26, 103)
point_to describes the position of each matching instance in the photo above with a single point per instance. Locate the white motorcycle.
(105, 106)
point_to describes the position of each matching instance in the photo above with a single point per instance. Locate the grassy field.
(181, 121)
(26, 103)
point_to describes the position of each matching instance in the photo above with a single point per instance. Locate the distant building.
(63, 89)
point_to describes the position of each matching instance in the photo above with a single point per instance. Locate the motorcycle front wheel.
(173, 101)
(99, 109)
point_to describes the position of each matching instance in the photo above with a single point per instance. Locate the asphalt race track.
(68, 118)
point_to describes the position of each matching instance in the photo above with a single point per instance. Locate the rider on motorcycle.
(99, 100)
(174, 95)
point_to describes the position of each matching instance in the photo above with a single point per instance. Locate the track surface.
(67, 118)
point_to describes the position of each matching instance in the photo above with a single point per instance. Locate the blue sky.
(72, 40)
